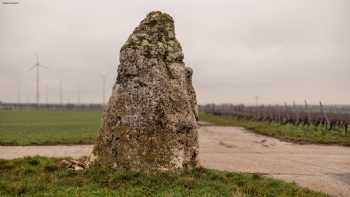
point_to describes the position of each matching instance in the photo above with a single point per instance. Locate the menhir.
(150, 122)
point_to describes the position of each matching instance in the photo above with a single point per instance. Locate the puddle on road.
(344, 177)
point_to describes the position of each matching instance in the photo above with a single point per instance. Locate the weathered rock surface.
(150, 122)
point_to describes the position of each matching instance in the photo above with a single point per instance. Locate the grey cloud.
(279, 50)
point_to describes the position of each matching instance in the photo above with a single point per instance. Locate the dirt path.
(323, 168)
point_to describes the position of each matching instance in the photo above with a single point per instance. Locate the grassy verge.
(283, 132)
(39, 176)
(30, 128)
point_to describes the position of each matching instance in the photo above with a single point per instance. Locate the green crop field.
(25, 128)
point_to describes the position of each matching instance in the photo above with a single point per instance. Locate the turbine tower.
(78, 93)
(37, 67)
(60, 92)
(256, 101)
(19, 97)
(47, 93)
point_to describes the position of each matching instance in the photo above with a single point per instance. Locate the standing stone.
(150, 122)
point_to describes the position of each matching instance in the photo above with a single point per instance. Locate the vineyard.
(304, 116)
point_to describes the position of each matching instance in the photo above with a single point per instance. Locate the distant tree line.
(320, 116)
(50, 107)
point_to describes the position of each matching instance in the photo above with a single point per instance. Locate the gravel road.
(319, 167)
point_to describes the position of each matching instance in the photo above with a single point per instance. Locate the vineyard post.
(296, 113)
(324, 114)
(335, 109)
(308, 112)
(279, 114)
(287, 112)
(272, 112)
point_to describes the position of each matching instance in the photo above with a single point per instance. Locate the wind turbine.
(47, 93)
(256, 101)
(37, 67)
(19, 96)
(78, 93)
(60, 92)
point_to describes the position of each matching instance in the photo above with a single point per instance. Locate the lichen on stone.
(150, 122)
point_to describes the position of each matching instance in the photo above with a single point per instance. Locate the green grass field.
(40, 176)
(283, 132)
(25, 128)
(43, 128)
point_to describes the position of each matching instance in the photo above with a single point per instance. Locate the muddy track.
(318, 167)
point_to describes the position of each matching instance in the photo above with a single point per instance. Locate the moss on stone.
(150, 121)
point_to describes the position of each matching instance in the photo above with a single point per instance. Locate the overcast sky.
(279, 50)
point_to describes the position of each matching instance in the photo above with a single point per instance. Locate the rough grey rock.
(150, 122)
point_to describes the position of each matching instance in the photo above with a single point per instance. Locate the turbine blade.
(37, 58)
(31, 68)
(44, 66)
